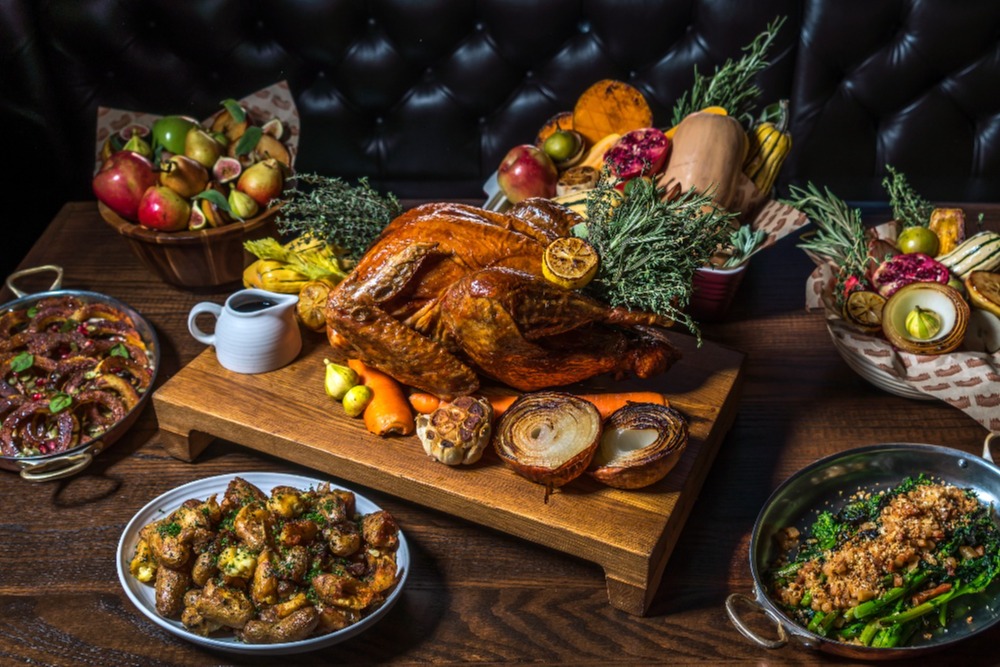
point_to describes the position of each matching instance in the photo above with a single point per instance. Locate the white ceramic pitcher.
(255, 331)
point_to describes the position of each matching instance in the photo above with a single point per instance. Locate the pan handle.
(60, 468)
(56, 284)
(987, 452)
(745, 630)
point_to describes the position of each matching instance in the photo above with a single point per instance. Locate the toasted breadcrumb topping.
(870, 562)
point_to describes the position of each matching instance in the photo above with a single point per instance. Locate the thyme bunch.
(345, 216)
(731, 86)
(908, 207)
(650, 248)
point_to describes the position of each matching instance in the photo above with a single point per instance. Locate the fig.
(133, 130)
(197, 219)
(225, 123)
(242, 205)
(273, 128)
(940, 322)
(139, 145)
(226, 169)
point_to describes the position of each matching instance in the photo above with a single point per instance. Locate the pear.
(184, 175)
(263, 181)
(200, 146)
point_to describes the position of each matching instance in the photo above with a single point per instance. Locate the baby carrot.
(389, 412)
(425, 403)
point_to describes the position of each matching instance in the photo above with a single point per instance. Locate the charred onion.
(548, 437)
(641, 443)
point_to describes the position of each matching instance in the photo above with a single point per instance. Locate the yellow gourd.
(949, 225)
(770, 143)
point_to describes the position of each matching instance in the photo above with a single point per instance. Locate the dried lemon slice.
(569, 262)
(311, 306)
(983, 288)
(863, 309)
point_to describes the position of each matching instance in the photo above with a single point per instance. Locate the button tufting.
(379, 120)
(584, 27)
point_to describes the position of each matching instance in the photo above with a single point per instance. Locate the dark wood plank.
(476, 594)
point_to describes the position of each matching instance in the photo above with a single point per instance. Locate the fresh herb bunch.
(731, 86)
(908, 207)
(744, 242)
(328, 208)
(839, 235)
(649, 247)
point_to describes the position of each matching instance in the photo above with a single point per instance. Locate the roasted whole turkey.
(449, 292)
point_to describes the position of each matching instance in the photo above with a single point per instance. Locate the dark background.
(424, 98)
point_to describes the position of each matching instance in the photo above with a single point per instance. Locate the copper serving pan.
(58, 465)
(826, 484)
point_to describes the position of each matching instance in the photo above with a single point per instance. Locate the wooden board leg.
(185, 446)
(628, 596)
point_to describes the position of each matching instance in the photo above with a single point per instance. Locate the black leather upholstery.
(426, 97)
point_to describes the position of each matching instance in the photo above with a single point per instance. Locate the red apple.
(527, 171)
(163, 210)
(122, 180)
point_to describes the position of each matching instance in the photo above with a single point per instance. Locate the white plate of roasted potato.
(263, 563)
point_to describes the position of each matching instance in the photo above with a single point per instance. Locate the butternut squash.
(708, 154)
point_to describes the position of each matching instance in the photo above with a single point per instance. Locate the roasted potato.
(275, 568)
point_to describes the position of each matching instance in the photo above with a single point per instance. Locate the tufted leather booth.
(425, 96)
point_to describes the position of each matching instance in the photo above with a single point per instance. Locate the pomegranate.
(901, 270)
(637, 153)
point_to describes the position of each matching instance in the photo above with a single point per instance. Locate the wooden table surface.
(474, 595)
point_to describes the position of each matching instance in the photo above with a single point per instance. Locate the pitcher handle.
(213, 309)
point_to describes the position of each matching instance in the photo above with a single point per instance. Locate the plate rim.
(169, 500)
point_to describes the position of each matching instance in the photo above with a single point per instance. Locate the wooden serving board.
(630, 534)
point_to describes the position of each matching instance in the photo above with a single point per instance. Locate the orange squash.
(707, 155)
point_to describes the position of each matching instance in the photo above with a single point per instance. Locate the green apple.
(171, 131)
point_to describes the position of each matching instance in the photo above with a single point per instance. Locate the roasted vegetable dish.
(276, 568)
(889, 566)
(70, 369)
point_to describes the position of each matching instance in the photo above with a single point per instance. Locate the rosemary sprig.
(731, 86)
(840, 232)
(908, 207)
(650, 248)
(348, 217)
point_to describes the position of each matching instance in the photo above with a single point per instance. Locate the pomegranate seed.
(37, 396)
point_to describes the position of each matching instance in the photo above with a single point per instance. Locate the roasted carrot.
(425, 403)
(389, 412)
(608, 403)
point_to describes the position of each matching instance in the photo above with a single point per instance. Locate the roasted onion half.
(640, 444)
(548, 437)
